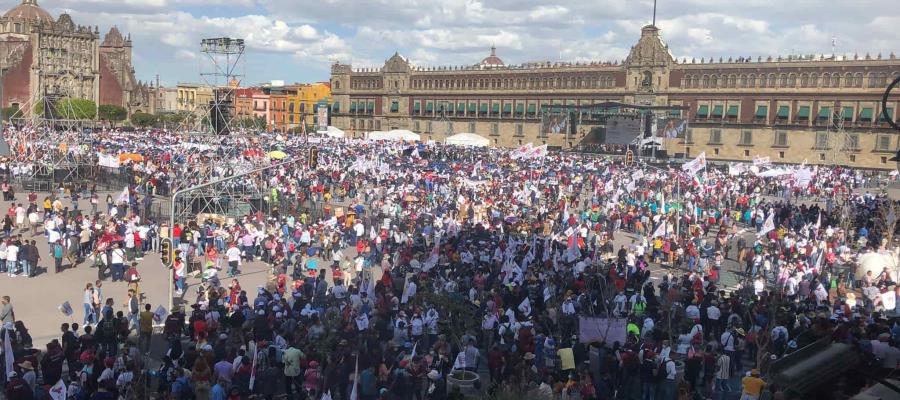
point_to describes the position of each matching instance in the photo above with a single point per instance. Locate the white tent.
(877, 262)
(333, 132)
(398, 134)
(468, 139)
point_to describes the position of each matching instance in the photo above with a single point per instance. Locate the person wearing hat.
(752, 385)
(28, 374)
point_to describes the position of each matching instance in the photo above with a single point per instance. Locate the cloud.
(296, 40)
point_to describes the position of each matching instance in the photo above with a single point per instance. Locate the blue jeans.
(179, 283)
(667, 390)
(722, 386)
(12, 267)
(26, 268)
(649, 391)
(88, 314)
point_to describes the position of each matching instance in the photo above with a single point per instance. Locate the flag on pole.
(538, 152)
(354, 394)
(768, 226)
(694, 166)
(123, 197)
(522, 151)
(253, 367)
(660, 230)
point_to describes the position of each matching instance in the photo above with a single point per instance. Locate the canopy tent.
(397, 134)
(877, 262)
(333, 132)
(468, 139)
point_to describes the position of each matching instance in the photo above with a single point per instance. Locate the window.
(884, 160)
(853, 158)
(781, 139)
(821, 156)
(472, 127)
(746, 138)
(780, 154)
(378, 124)
(851, 141)
(715, 136)
(716, 151)
(746, 153)
(495, 128)
(353, 124)
(883, 143)
(520, 130)
(821, 140)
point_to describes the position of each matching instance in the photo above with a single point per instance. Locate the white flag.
(660, 230)
(538, 152)
(525, 307)
(354, 394)
(696, 164)
(59, 391)
(521, 152)
(123, 198)
(9, 358)
(768, 226)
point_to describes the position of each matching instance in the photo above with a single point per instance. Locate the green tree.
(11, 112)
(142, 119)
(113, 113)
(71, 108)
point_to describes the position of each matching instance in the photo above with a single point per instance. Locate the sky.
(298, 40)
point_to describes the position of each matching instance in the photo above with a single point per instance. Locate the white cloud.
(297, 39)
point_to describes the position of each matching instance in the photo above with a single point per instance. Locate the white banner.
(694, 166)
(606, 330)
(768, 226)
(760, 161)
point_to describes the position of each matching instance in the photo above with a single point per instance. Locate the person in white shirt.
(233, 254)
(619, 303)
(12, 259)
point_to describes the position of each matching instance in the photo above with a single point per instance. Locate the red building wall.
(17, 80)
(110, 90)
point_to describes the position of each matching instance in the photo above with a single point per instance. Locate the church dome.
(492, 61)
(29, 10)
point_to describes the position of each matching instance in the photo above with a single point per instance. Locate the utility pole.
(201, 186)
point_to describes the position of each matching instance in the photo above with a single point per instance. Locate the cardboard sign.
(606, 330)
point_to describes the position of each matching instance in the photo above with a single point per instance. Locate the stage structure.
(220, 149)
(48, 130)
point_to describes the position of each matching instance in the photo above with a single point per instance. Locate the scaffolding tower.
(224, 148)
(840, 142)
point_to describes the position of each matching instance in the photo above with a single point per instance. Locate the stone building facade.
(41, 56)
(813, 109)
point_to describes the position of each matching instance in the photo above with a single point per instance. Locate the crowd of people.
(413, 271)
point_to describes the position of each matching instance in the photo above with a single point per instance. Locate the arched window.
(337, 85)
(714, 81)
(705, 81)
(792, 80)
(695, 81)
(848, 80)
(835, 80)
(773, 80)
(743, 81)
(826, 80)
(751, 81)
(858, 79)
(783, 80)
(813, 80)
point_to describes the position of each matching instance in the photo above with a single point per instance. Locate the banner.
(660, 230)
(694, 166)
(606, 330)
(670, 128)
(760, 161)
(160, 314)
(521, 152)
(322, 117)
(538, 152)
(555, 123)
(768, 226)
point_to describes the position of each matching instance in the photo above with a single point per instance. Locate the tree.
(142, 119)
(71, 108)
(113, 113)
(11, 112)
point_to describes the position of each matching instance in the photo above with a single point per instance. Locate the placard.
(606, 330)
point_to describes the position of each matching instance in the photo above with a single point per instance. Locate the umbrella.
(130, 157)
(277, 154)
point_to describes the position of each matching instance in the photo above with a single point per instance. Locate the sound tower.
(219, 115)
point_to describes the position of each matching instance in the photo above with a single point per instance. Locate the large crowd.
(450, 270)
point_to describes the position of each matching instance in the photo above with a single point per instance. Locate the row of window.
(803, 113)
(370, 83)
(824, 140)
(572, 82)
(787, 80)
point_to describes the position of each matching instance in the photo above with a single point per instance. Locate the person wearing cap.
(752, 385)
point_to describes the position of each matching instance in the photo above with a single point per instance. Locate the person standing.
(12, 258)
(723, 373)
(234, 259)
(117, 262)
(145, 332)
(89, 304)
(133, 309)
(178, 274)
(7, 314)
(32, 258)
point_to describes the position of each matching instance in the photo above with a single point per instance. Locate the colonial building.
(795, 109)
(45, 57)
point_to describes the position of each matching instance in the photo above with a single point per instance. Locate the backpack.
(108, 329)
